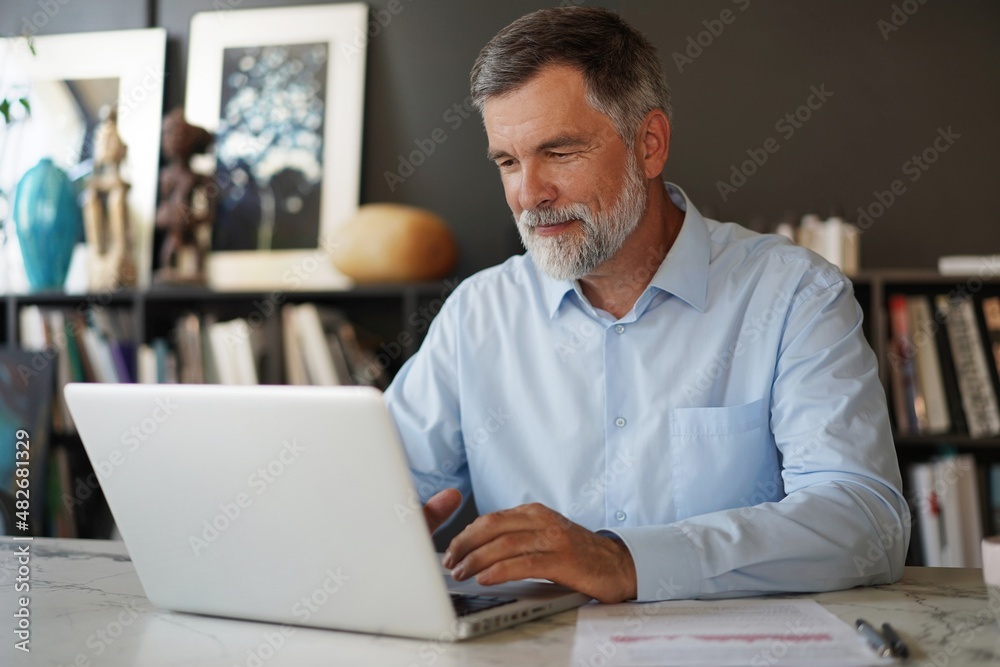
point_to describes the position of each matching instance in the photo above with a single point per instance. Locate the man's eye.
(505, 164)
(561, 156)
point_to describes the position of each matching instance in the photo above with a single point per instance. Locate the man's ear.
(653, 145)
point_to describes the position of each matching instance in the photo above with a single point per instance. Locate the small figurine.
(105, 213)
(187, 203)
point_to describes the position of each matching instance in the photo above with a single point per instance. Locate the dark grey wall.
(889, 97)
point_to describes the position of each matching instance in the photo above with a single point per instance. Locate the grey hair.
(621, 71)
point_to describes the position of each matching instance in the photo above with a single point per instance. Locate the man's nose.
(536, 189)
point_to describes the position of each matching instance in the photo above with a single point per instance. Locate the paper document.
(754, 633)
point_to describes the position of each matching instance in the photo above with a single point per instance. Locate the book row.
(317, 345)
(953, 502)
(944, 364)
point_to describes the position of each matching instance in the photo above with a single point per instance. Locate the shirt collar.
(683, 272)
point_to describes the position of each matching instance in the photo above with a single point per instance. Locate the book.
(190, 361)
(210, 367)
(99, 354)
(970, 516)
(31, 325)
(968, 265)
(78, 326)
(927, 510)
(994, 498)
(911, 416)
(946, 476)
(991, 317)
(295, 369)
(232, 352)
(242, 349)
(165, 363)
(979, 399)
(62, 421)
(928, 366)
(948, 373)
(115, 331)
(364, 367)
(315, 348)
(146, 365)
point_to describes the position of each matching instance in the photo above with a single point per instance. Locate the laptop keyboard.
(470, 604)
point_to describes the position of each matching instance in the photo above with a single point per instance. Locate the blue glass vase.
(48, 222)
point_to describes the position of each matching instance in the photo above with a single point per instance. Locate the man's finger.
(488, 526)
(441, 506)
(525, 566)
(504, 546)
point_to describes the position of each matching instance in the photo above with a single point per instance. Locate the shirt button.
(620, 515)
(620, 422)
(620, 328)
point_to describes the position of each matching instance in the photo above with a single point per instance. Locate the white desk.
(87, 608)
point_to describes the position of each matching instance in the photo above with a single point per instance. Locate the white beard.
(570, 256)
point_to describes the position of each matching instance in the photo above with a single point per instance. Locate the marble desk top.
(87, 607)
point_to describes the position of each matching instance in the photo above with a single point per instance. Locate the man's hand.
(533, 541)
(441, 506)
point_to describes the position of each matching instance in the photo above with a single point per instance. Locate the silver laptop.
(282, 504)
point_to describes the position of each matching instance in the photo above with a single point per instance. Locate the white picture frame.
(136, 59)
(341, 28)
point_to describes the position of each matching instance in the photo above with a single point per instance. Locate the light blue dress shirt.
(730, 429)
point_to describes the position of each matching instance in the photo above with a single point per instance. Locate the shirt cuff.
(667, 566)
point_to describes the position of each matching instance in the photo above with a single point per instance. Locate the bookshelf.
(396, 317)
(875, 291)
(872, 290)
(393, 319)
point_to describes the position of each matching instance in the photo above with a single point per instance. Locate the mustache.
(541, 217)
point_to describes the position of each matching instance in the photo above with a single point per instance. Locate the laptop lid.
(272, 503)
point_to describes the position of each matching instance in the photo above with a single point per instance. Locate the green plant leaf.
(26, 104)
(5, 109)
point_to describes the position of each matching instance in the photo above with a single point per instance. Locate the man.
(649, 404)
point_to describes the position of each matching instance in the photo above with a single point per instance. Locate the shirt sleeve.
(423, 402)
(843, 521)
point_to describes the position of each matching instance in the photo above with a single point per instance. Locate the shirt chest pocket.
(722, 458)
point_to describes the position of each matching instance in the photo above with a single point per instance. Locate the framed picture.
(282, 89)
(68, 80)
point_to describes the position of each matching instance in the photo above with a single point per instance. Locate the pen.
(899, 648)
(874, 638)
